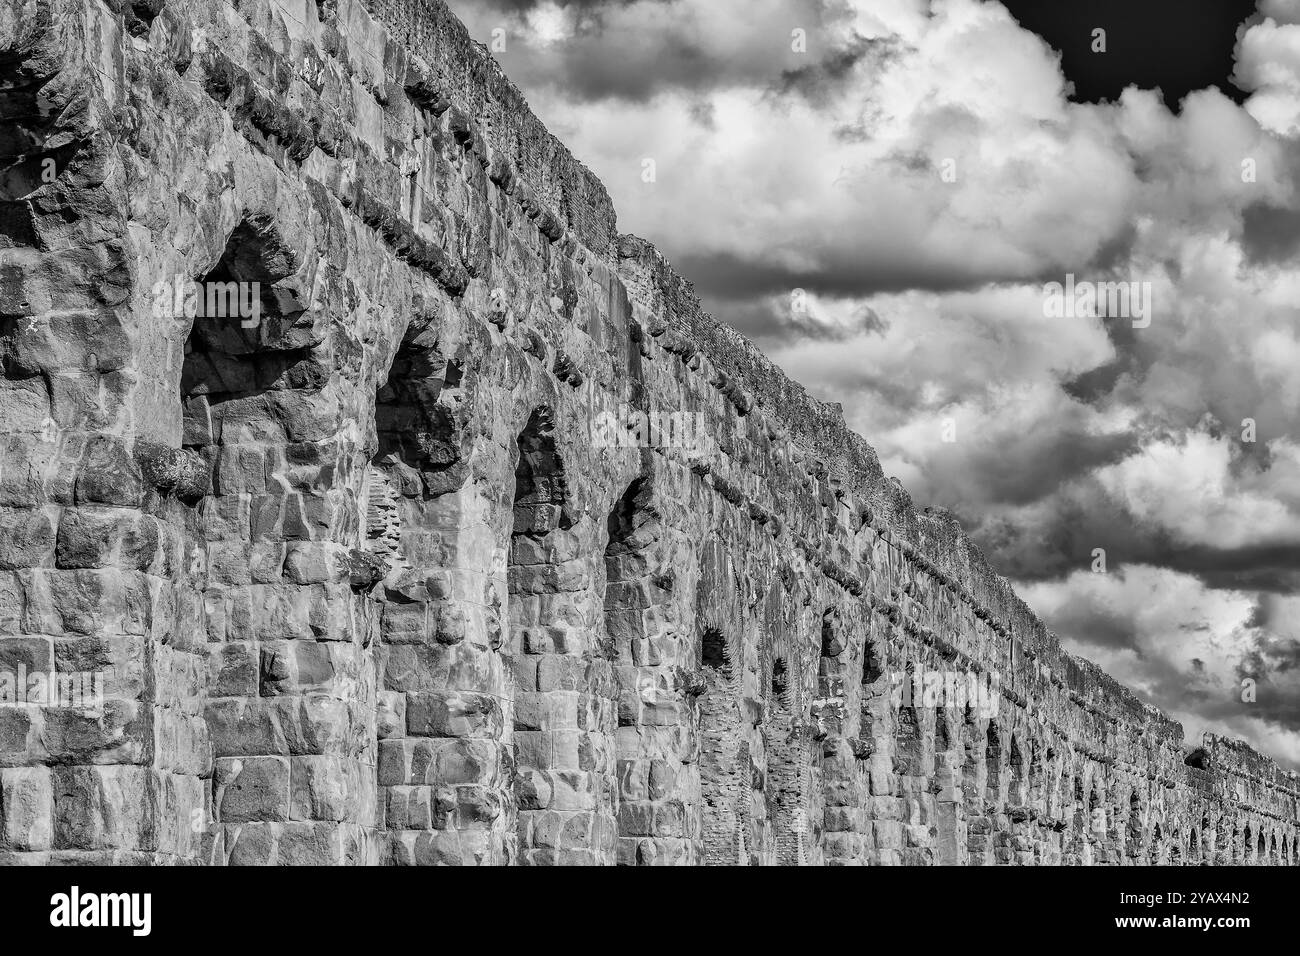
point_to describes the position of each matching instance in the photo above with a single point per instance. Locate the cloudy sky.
(920, 169)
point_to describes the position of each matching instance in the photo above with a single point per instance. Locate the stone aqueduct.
(363, 581)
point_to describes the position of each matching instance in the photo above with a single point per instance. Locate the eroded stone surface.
(379, 577)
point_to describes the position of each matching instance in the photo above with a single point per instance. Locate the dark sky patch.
(1176, 46)
(1270, 234)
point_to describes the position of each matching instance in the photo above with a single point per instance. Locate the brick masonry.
(370, 581)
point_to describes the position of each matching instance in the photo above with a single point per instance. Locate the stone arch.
(734, 770)
(421, 442)
(872, 666)
(1052, 771)
(240, 368)
(636, 608)
(872, 693)
(276, 519)
(1037, 776)
(1223, 840)
(973, 745)
(565, 707)
(632, 578)
(942, 733)
(832, 721)
(909, 729)
(979, 825)
(827, 710)
(714, 654)
(541, 486)
(429, 651)
(1193, 847)
(1096, 811)
(779, 684)
(1136, 826)
(788, 762)
(993, 765)
(723, 767)
(1016, 773)
(1079, 820)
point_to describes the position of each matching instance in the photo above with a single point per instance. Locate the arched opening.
(832, 643)
(420, 416)
(551, 630)
(412, 529)
(1135, 825)
(540, 482)
(942, 736)
(972, 748)
(1037, 781)
(993, 766)
(714, 654)
(780, 683)
(1193, 847)
(632, 528)
(269, 509)
(241, 380)
(975, 743)
(724, 763)
(871, 666)
(869, 694)
(909, 735)
(827, 709)
(909, 746)
(1224, 841)
(1015, 774)
(788, 749)
(1096, 812)
(1078, 818)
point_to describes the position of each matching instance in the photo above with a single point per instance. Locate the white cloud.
(1180, 645)
(1268, 62)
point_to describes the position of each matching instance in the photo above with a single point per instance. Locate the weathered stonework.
(366, 580)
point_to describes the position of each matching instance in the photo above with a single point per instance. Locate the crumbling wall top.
(464, 71)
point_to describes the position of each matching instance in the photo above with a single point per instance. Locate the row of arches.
(586, 642)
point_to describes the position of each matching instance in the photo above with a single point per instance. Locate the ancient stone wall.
(388, 567)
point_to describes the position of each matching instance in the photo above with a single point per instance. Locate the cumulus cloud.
(1211, 659)
(1268, 62)
(634, 50)
(945, 159)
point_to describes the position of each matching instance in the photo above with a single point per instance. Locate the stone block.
(251, 789)
(26, 808)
